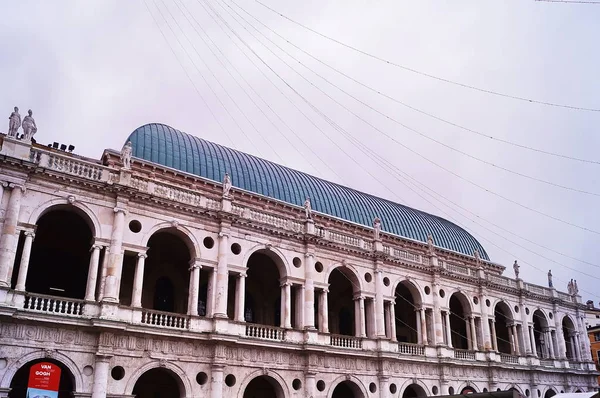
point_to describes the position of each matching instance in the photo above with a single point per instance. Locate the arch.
(515, 387)
(460, 330)
(184, 382)
(274, 376)
(407, 301)
(349, 271)
(413, 287)
(41, 355)
(503, 319)
(468, 384)
(63, 203)
(344, 304)
(417, 385)
(357, 385)
(178, 230)
(568, 330)
(540, 325)
(549, 393)
(274, 254)
(463, 299)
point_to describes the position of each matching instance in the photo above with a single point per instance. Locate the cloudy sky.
(238, 74)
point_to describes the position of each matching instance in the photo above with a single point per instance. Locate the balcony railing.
(165, 319)
(411, 349)
(464, 354)
(53, 305)
(345, 341)
(506, 358)
(265, 332)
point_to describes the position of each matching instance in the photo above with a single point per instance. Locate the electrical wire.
(420, 133)
(418, 153)
(338, 128)
(380, 93)
(406, 68)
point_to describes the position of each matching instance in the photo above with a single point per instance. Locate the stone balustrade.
(345, 341)
(464, 354)
(265, 332)
(506, 358)
(411, 349)
(164, 319)
(53, 305)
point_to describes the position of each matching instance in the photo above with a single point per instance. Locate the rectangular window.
(597, 336)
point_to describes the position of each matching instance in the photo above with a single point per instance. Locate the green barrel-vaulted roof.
(159, 143)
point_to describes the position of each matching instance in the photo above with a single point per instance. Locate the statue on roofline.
(376, 228)
(126, 153)
(14, 123)
(29, 127)
(307, 209)
(226, 185)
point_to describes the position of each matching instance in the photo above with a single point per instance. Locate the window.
(597, 336)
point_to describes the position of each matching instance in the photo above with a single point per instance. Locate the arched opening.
(347, 389)
(459, 310)
(406, 321)
(540, 328)
(414, 391)
(158, 383)
(263, 387)
(468, 390)
(262, 302)
(342, 311)
(550, 393)
(166, 272)
(60, 254)
(569, 332)
(18, 384)
(504, 320)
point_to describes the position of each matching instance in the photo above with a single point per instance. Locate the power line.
(188, 75)
(570, 1)
(416, 152)
(406, 68)
(341, 130)
(484, 135)
(418, 132)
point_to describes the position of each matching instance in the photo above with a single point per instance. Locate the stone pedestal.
(16, 148)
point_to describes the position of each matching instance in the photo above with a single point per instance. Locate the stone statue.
(570, 287)
(307, 209)
(550, 278)
(29, 127)
(477, 257)
(430, 248)
(226, 185)
(516, 267)
(126, 153)
(376, 228)
(575, 287)
(14, 123)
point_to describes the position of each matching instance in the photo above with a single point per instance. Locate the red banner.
(44, 376)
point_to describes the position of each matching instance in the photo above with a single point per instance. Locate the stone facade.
(342, 299)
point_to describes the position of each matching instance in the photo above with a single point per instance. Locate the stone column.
(100, 383)
(527, 342)
(216, 381)
(309, 291)
(210, 293)
(194, 289)
(92, 279)
(448, 328)
(493, 330)
(386, 313)
(310, 385)
(418, 324)
(561, 349)
(384, 390)
(359, 313)
(379, 321)
(468, 330)
(240, 297)
(485, 329)
(24, 265)
(324, 311)
(115, 258)
(138, 281)
(299, 305)
(222, 275)
(578, 348)
(286, 305)
(10, 236)
(532, 339)
(423, 327)
(511, 338)
(550, 343)
(393, 318)
(437, 315)
(103, 268)
(516, 337)
(473, 333)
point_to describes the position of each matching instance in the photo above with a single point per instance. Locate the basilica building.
(177, 267)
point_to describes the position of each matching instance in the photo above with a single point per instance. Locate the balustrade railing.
(71, 166)
(53, 305)
(548, 363)
(542, 291)
(457, 269)
(411, 349)
(345, 341)
(343, 238)
(265, 332)
(164, 319)
(464, 354)
(506, 358)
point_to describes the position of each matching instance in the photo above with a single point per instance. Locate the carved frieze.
(62, 336)
(179, 348)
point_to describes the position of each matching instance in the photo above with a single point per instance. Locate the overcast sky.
(93, 71)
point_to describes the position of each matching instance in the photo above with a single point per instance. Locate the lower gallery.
(181, 268)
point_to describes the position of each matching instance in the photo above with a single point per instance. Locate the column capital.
(309, 254)
(95, 247)
(242, 275)
(142, 255)
(358, 297)
(15, 185)
(103, 357)
(285, 284)
(117, 209)
(223, 234)
(30, 234)
(325, 290)
(194, 263)
(4, 184)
